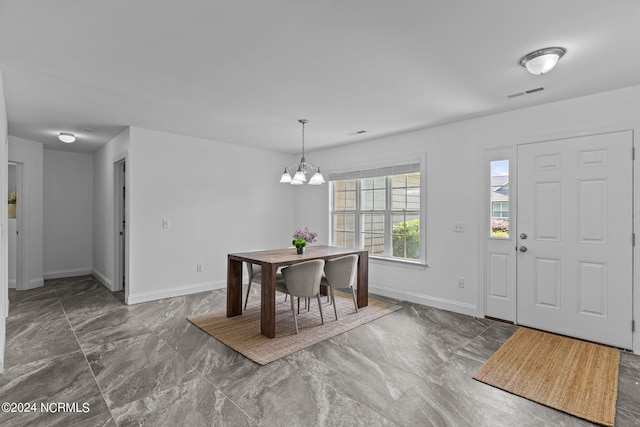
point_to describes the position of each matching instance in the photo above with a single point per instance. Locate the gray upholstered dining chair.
(341, 273)
(303, 281)
(254, 272)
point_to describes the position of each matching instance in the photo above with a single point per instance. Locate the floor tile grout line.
(437, 366)
(86, 359)
(288, 359)
(470, 340)
(365, 405)
(195, 370)
(201, 375)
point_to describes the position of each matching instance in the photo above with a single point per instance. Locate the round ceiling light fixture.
(66, 137)
(542, 61)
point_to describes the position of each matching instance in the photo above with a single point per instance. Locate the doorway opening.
(120, 218)
(15, 210)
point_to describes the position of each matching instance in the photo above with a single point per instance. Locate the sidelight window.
(499, 198)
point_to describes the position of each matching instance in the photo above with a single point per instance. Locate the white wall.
(454, 156)
(103, 210)
(4, 291)
(68, 214)
(218, 198)
(30, 154)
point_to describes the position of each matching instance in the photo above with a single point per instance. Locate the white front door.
(574, 238)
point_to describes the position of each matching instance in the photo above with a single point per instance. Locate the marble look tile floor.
(74, 341)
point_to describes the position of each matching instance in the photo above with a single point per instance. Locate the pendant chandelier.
(303, 169)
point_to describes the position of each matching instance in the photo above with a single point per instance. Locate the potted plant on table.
(301, 237)
(300, 245)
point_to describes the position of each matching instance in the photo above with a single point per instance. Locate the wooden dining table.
(270, 261)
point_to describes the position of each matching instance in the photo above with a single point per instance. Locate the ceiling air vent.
(538, 89)
(515, 95)
(526, 92)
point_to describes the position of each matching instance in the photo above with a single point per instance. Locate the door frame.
(484, 217)
(120, 251)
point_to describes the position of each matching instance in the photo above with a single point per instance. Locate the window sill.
(414, 265)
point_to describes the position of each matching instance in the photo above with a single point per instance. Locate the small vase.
(300, 250)
(12, 210)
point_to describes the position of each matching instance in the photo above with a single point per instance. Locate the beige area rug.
(242, 333)
(573, 376)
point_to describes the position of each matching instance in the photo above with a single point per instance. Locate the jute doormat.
(242, 333)
(574, 376)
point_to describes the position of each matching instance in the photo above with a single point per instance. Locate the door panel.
(575, 204)
(546, 282)
(547, 211)
(499, 275)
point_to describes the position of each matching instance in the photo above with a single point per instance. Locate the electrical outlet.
(165, 223)
(199, 268)
(461, 282)
(458, 227)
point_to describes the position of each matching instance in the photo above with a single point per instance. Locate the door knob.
(523, 249)
(523, 236)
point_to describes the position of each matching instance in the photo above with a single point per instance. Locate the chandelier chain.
(302, 138)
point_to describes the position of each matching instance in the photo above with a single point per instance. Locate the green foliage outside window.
(406, 236)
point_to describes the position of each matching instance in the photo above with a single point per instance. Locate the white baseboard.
(67, 273)
(34, 283)
(102, 279)
(444, 304)
(137, 298)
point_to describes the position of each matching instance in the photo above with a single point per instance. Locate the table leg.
(234, 287)
(268, 301)
(363, 280)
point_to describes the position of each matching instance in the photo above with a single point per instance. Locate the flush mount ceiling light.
(302, 169)
(543, 60)
(66, 137)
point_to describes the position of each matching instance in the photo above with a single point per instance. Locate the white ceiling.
(245, 71)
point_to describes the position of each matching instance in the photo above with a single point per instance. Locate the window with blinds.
(378, 210)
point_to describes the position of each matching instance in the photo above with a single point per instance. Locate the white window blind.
(373, 173)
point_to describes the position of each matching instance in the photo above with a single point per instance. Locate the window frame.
(388, 213)
(501, 211)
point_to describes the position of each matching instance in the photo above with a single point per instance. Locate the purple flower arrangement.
(305, 234)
